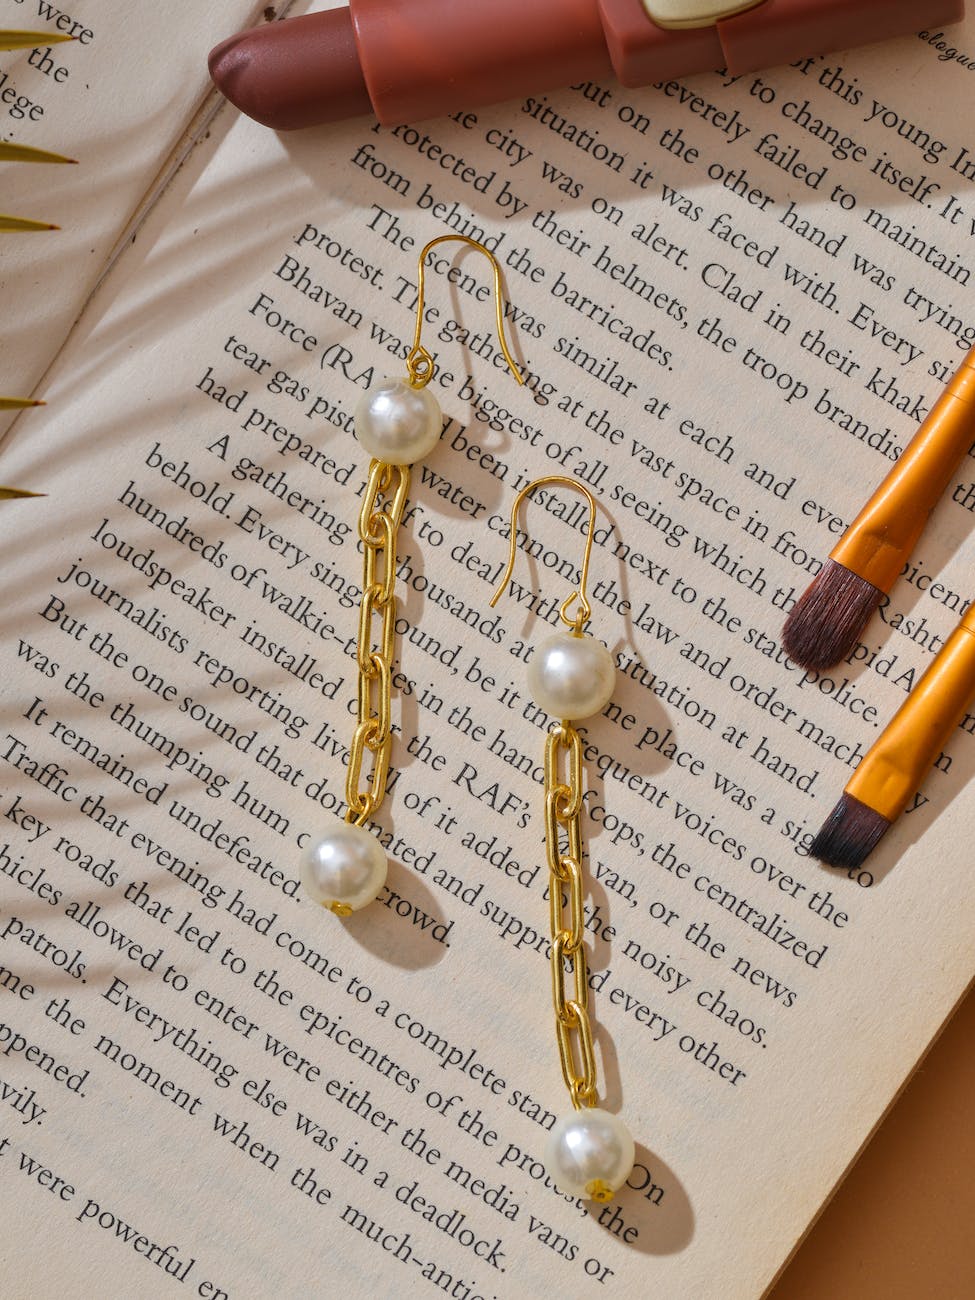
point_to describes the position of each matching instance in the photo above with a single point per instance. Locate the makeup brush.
(893, 769)
(861, 569)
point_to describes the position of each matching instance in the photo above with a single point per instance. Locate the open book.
(733, 301)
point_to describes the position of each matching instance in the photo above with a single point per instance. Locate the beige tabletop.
(902, 1225)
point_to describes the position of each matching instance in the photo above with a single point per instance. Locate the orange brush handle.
(878, 542)
(896, 765)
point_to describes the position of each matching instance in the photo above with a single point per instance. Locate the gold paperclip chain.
(379, 521)
(563, 845)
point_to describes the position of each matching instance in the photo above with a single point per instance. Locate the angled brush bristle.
(829, 616)
(849, 834)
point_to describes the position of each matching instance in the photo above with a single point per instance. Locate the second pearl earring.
(398, 423)
(571, 676)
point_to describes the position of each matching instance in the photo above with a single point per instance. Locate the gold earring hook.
(419, 363)
(582, 617)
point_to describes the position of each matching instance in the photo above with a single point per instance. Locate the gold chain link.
(563, 847)
(379, 519)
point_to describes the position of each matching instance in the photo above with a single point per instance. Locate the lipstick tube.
(406, 60)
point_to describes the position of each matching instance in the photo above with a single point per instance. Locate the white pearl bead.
(571, 676)
(398, 424)
(590, 1153)
(345, 869)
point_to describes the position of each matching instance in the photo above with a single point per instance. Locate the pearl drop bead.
(590, 1153)
(571, 676)
(345, 869)
(398, 424)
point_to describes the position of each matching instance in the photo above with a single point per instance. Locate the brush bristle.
(829, 616)
(849, 834)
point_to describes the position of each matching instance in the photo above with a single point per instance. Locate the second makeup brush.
(893, 769)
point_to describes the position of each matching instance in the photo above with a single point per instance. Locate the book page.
(116, 98)
(732, 301)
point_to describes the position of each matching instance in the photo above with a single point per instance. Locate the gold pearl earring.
(398, 422)
(571, 676)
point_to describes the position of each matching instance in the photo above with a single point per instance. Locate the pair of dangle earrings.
(571, 676)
